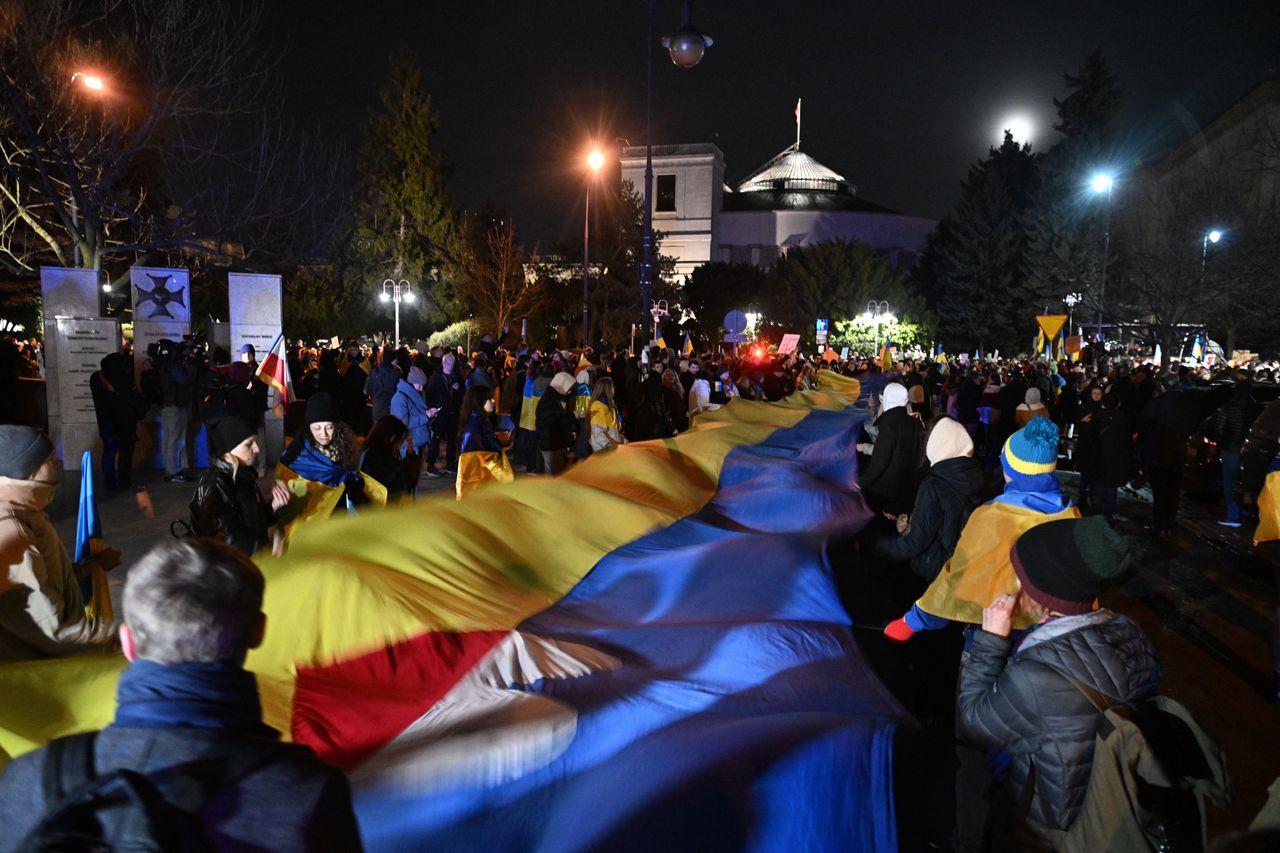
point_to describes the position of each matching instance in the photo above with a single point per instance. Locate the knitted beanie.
(1031, 450)
(416, 376)
(321, 408)
(947, 440)
(231, 431)
(1063, 565)
(23, 449)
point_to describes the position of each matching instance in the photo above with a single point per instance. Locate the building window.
(665, 200)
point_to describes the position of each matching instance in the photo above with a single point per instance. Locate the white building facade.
(793, 200)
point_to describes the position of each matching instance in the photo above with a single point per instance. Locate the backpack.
(1153, 769)
(125, 810)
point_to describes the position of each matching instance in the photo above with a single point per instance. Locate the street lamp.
(1072, 300)
(658, 310)
(878, 312)
(89, 81)
(397, 292)
(1102, 183)
(1213, 235)
(685, 47)
(594, 161)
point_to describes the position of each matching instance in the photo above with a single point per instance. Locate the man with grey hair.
(188, 739)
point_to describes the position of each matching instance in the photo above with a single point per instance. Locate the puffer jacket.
(1024, 705)
(1231, 425)
(944, 501)
(41, 609)
(230, 508)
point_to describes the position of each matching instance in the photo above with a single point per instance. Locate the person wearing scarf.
(980, 568)
(321, 469)
(187, 710)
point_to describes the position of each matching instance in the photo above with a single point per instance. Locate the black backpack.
(125, 810)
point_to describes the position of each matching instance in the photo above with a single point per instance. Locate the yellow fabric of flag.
(1268, 510)
(980, 569)
(479, 467)
(352, 584)
(317, 500)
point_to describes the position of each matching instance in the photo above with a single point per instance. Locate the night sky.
(898, 97)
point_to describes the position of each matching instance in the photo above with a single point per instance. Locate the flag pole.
(798, 100)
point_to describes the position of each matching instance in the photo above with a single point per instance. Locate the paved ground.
(1204, 596)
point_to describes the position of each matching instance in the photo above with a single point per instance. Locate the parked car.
(1203, 479)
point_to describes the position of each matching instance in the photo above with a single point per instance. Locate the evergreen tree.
(834, 279)
(1067, 224)
(975, 258)
(404, 222)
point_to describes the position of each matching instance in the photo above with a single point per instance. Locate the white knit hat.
(562, 382)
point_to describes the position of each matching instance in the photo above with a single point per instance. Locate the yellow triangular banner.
(1051, 324)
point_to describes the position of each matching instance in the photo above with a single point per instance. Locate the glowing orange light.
(89, 81)
(595, 159)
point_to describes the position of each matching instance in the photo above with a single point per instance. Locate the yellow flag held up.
(980, 569)
(1268, 510)
(886, 359)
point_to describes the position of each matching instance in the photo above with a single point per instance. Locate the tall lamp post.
(1071, 300)
(878, 312)
(1102, 183)
(1213, 235)
(594, 161)
(685, 47)
(396, 292)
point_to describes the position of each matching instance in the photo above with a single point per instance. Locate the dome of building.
(793, 180)
(792, 170)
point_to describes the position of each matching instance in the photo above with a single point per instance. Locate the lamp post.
(685, 47)
(98, 86)
(878, 312)
(1102, 183)
(1071, 300)
(397, 292)
(658, 310)
(594, 161)
(1213, 235)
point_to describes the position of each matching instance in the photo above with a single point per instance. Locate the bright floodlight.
(1215, 235)
(595, 160)
(1019, 127)
(1101, 183)
(384, 296)
(408, 296)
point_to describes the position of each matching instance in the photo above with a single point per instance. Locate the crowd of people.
(973, 536)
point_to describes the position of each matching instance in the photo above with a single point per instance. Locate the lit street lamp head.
(1101, 183)
(89, 81)
(1215, 235)
(595, 159)
(686, 45)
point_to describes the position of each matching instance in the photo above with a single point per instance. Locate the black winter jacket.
(890, 478)
(1232, 423)
(555, 424)
(231, 510)
(1111, 452)
(1024, 705)
(944, 501)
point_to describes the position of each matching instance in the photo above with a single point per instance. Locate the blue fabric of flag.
(743, 717)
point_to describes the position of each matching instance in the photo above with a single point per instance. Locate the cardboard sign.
(789, 344)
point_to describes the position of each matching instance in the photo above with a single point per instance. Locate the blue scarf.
(1038, 493)
(313, 465)
(190, 695)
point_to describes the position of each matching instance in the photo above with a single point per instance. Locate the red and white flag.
(798, 111)
(274, 370)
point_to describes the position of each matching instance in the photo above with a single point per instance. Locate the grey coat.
(293, 802)
(1025, 706)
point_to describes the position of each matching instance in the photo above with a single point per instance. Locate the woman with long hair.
(606, 423)
(673, 395)
(325, 453)
(382, 458)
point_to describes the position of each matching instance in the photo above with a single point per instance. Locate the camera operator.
(176, 375)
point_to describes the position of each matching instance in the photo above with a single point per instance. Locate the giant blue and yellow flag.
(647, 651)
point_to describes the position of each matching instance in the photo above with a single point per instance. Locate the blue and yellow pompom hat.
(1031, 450)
